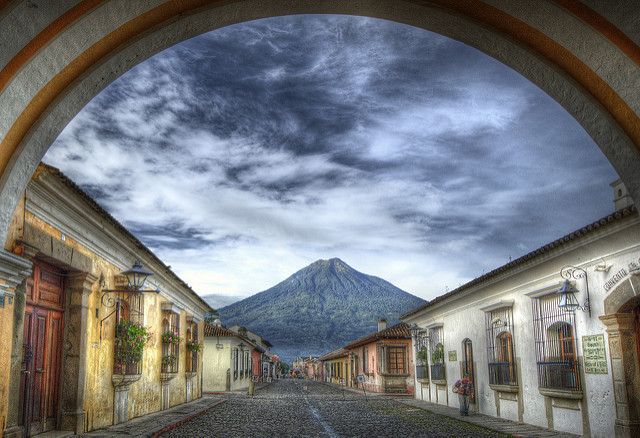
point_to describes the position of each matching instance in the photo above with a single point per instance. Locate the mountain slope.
(320, 308)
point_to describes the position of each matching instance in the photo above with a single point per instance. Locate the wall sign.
(595, 355)
(453, 356)
(620, 275)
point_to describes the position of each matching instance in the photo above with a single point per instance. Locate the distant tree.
(284, 368)
(210, 317)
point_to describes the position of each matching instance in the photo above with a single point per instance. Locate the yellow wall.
(145, 394)
(6, 323)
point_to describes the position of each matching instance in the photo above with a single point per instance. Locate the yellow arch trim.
(474, 10)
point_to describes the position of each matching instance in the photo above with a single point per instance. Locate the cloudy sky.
(247, 153)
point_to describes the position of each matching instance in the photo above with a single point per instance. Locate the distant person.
(464, 389)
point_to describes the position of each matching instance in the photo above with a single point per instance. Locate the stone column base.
(73, 421)
(13, 432)
(122, 384)
(627, 428)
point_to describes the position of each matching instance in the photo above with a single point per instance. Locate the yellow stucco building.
(335, 367)
(80, 348)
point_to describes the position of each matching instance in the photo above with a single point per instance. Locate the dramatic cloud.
(243, 155)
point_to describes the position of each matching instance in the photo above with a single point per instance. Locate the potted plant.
(193, 346)
(438, 354)
(171, 337)
(130, 340)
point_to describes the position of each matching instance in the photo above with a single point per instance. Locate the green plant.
(130, 340)
(169, 360)
(438, 354)
(171, 337)
(423, 355)
(193, 345)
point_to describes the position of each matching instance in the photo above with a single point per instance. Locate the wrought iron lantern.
(414, 330)
(119, 299)
(136, 276)
(567, 292)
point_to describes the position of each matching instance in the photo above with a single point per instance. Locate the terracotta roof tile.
(398, 331)
(213, 330)
(340, 352)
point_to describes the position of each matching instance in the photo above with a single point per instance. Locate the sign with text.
(453, 356)
(595, 355)
(255, 379)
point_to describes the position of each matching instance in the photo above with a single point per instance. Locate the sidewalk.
(499, 424)
(156, 423)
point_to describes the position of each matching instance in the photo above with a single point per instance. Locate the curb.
(179, 422)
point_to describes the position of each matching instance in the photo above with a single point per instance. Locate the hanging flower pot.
(193, 346)
(171, 337)
(130, 340)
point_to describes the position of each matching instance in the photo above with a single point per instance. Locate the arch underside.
(63, 65)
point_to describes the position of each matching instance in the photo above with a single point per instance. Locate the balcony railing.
(438, 372)
(502, 373)
(422, 372)
(559, 375)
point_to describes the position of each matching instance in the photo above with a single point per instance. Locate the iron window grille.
(500, 347)
(170, 351)
(422, 355)
(556, 355)
(129, 307)
(436, 347)
(235, 363)
(192, 355)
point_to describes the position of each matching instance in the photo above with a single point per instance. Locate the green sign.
(453, 356)
(595, 356)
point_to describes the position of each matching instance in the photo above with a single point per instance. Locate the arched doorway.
(622, 310)
(58, 57)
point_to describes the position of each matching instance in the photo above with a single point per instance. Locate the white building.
(530, 358)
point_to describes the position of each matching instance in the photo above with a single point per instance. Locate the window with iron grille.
(235, 363)
(129, 318)
(170, 348)
(436, 347)
(192, 348)
(422, 355)
(556, 355)
(500, 348)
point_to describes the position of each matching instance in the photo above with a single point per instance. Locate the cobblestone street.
(306, 408)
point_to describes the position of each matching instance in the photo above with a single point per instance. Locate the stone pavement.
(307, 408)
(302, 408)
(515, 428)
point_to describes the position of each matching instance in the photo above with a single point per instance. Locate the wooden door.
(42, 357)
(467, 366)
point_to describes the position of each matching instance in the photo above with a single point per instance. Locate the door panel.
(42, 357)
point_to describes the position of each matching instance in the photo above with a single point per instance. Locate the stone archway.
(56, 56)
(622, 332)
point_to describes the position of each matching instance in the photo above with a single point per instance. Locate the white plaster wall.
(569, 420)
(509, 409)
